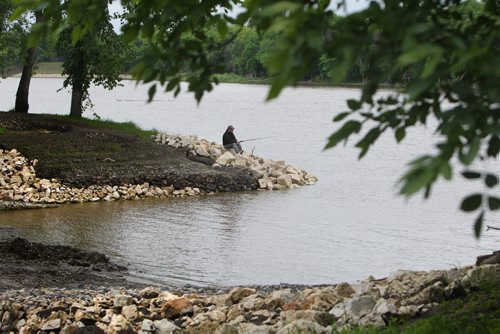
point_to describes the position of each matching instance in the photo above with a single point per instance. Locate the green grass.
(478, 312)
(126, 127)
(235, 78)
(49, 68)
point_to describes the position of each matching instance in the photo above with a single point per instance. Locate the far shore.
(236, 80)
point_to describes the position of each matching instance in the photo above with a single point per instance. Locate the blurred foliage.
(12, 35)
(444, 54)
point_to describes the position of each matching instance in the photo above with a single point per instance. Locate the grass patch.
(478, 312)
(235, 78)
(2, 131)
(126, 127)
(54, 67)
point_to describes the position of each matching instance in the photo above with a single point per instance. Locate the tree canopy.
(96, 58)
(443, 53)
(11, 36)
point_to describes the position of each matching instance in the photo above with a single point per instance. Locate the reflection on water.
(346, 227)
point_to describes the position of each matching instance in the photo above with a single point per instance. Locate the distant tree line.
(244, 52)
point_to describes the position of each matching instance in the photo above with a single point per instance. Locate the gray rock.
(359, 306)
(164, 326)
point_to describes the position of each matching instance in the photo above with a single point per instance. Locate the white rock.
(383, 306)
(224, 159)
(202, 151)
(338, 310)
(263, 183)
(51, 325)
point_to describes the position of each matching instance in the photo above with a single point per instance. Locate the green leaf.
(493, 146)
(369, 139)
(418, 87)
(151, 92)
(432, 63)
(341, 116)
(446, 170)
(276, 87)
(172, 84)
(343, 133)
(493, 203)
(490, 180)
(354, 104)
(467, 156)
(76, 34)
(472, 202)
(471, 175)
(148, 29)
(222, 28)
(478, 225)
(279, 7)
(129, 34)
(400, 134)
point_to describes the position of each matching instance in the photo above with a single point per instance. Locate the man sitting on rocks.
(229, 140)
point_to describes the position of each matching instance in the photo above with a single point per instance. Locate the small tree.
(97, 58)
(28, 61)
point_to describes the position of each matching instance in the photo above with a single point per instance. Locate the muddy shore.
(28, 265)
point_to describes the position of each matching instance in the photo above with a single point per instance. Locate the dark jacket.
(228, 138)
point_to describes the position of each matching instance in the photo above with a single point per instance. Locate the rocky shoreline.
(271, 174)
(105, 179)
(21, 188)
(121, 307)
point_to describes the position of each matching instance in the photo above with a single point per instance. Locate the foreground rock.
(271, 174)
(239, 310)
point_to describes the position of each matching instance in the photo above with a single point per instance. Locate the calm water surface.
(349, 225)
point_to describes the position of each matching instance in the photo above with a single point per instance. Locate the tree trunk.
(76, 101)
(23, 89)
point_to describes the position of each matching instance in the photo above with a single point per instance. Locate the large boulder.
(225, 159)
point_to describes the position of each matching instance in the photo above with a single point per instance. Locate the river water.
(349, 225)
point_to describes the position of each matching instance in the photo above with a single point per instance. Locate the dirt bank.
(79, 155)
(27, 265)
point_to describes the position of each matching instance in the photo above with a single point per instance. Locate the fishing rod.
(242, 141)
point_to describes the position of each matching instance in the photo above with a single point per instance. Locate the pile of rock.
(271, 174)
(18, 182)
(240, 310)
